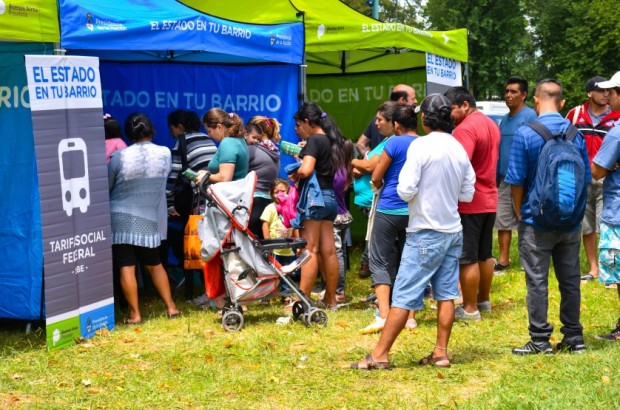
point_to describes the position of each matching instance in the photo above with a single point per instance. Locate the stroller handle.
(204, 182)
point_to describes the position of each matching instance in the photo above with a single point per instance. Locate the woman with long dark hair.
(322, 155)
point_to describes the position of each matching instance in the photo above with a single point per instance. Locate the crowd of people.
(432, 202)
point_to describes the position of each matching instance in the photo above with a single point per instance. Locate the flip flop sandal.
(371, 364)
(431, 360)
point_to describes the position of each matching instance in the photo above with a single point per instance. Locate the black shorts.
(130, 255)
(477, 237)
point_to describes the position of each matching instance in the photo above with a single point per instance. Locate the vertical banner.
(66, 106)
(442, 73)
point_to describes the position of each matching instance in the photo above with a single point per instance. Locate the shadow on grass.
(18, 336)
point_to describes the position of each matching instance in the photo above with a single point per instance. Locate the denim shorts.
(428, 256)
(329, 212)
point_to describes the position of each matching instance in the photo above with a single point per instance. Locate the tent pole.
(302, 83)
(58, 50)
(467, 75)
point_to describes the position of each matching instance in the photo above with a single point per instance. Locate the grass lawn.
(191, 363)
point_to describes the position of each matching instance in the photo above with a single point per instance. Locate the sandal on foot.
(431, 360)
(370, 364)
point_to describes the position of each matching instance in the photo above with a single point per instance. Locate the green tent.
(29, 20)
(341, 40)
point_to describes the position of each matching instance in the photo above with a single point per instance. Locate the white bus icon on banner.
(73, 163)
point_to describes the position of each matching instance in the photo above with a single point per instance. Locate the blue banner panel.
(158, 89)
(21, 253)
(169, 25)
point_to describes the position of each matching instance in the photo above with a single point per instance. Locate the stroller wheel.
(317, 317)
(232, 321)
(299, 309)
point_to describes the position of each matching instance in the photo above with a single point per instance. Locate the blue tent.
(146, 30)
(160, 55)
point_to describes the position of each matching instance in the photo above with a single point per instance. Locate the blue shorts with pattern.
(609, 254)
(428, 256)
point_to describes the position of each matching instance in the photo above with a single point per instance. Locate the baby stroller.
(251, 273)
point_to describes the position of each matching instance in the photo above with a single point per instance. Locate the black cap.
(592, 84)
(433, 103)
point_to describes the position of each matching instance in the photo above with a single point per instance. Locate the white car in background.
(493, 109)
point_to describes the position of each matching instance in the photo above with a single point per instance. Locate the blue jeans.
(536, 249)
(428, 256)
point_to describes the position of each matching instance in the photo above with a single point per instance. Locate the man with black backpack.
(549, 172)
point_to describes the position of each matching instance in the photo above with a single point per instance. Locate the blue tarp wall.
(21, 249)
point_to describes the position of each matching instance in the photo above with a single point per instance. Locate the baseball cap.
(612, 83)
(433, 103)
(593, 83)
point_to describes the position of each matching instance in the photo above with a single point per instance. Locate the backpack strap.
(569, 134)
(540, 129)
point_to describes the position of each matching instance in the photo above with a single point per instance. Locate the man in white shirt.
(436, 175)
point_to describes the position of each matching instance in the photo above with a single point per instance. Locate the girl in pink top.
(113, 139)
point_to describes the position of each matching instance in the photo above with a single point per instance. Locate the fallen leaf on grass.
(538, 365)
(253, 366)
(209, 357)
(138, 330)
(342, 323)
(103, 333)
(86, 382)
(269, 345)
(62, 384)
(93, 391)
(119, 388)
(228, 344)
(134, 356)
(163, 385)
(605, 379)
(441, 376)
(208, 333)
(274, 379)
(17, 376)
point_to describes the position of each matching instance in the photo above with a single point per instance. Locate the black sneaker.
(500, 269)
(575, 348)
(613, 336)
(532, 347)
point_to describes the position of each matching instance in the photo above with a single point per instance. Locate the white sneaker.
(411, 324)
(485, 306)
(374, 327)
(462, 314)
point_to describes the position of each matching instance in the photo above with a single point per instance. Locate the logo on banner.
(17, 10)
(73, 163)
(320, 31)
(89, 22)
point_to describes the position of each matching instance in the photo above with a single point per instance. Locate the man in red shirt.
(594, 119)
(480, 137)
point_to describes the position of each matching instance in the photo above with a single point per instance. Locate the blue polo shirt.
(507, 128)
(606, 157)
(524, 153)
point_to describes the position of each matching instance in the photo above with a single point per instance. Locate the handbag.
(192, 244)
(183, 190)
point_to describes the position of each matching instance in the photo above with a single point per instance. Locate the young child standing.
(113, 140)
(276, 221)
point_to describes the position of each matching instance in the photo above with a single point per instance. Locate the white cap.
(612, 83)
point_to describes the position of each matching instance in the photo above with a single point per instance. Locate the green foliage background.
(571, 41)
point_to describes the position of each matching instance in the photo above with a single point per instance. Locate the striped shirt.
(200, 150)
